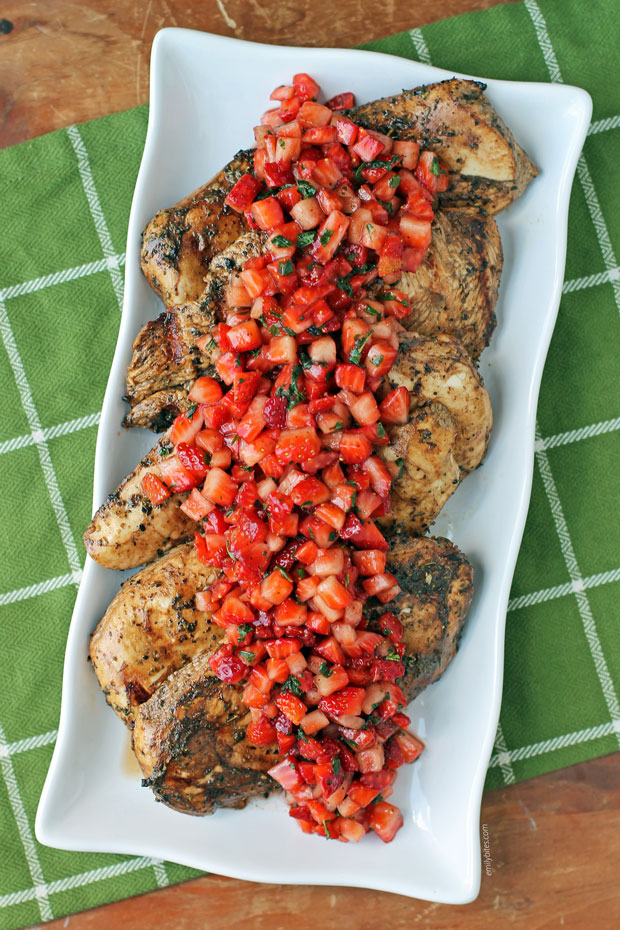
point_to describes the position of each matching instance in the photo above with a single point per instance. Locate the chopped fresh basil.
(165, 448)
(244, 629)
(435, 167)
(325, 670)
(376, 360)
(326, 236)
(247, 656)
(191, 411)
(284, 572)
(381, 431)
(336, 765)
(306, 189)
(306, 237)
(282, 242)
(355, 355)
(286, 268)
(292, 684)
(394, 182)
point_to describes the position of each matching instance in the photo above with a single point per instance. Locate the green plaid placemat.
(64, 203)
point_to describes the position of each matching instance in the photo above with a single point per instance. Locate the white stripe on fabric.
(602, 125)
(30, 742)
(34, 423)
(561, 590)
(557, 742)
(39, 891)
(42, 587)
(574, 435)
(161, 876)
(419, 43)
(78, 881)
(51, 432)
(583, 172)
(96, 211)
(502, 754)
(58, 277)
(585, 612)
(592, 280)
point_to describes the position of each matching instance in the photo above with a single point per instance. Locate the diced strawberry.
(154, 488)
(395, 406)
(205, 391)
(297, 445)
(243, 193)
(196, 507)
(291, 706)
(341, 101)
(276, 587)
(385, 819)
(226, 665)
(186, 426)
(416, 233)
(354, 447)
(347, 701)
(364, 535)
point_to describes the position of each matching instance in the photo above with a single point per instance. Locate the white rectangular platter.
(206, 94)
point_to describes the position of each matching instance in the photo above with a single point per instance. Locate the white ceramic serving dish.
(206, 94)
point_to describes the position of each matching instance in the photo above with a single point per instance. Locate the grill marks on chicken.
(446, 438)
(180, 242)
(489, 169)
(189, 736)
(128, 530)
(190, 741)
(455, 289)
(165, 356)
(152, 628)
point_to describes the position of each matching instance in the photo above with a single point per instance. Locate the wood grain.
(554, 840)
(554, 849)
(65, 62)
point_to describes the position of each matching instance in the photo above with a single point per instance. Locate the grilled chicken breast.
(128, 530)
(152, 628)
(454, 290)
(180, 242)
(447, 435)
(189, 737)
(165, 356)
(489, 169)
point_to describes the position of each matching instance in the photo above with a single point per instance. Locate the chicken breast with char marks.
(151, 629)
(454, 290)
(180, 242)
(454, 118)
(447, 435)
(189, 737)
(128, 530)
(165, 355)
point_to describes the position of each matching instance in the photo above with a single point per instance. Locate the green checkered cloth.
(64, 202)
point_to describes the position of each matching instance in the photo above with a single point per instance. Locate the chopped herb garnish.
(166, 448)
(234, 558)
(326, 828)
(326, 236)
(355, 355)
(282, 242)
(392, 656)
(371, 310)
(401, 465)
(394, 182)
(325, 670)
(284, 572)
(247, 656)
(292, 684)
(435, 167)
(244, 629)
(306, 237)
(337, 426)
(381, 431)
(301, 734)
(286, 267)
(306, 189)
(376, 360)
(336, 765)
(191, 411)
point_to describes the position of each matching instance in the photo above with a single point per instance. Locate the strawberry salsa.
(281, 456)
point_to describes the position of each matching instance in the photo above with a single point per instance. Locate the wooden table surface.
(553, 840)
